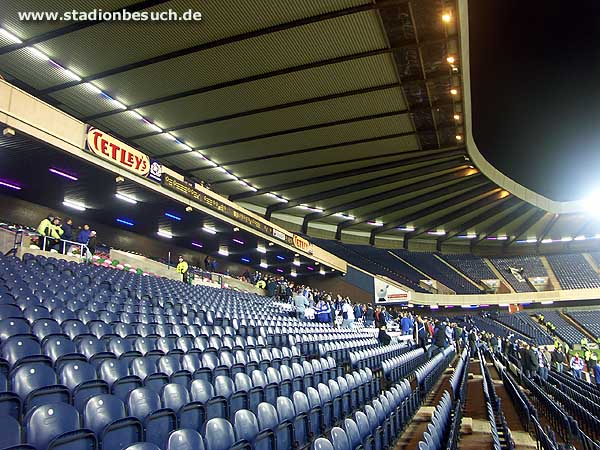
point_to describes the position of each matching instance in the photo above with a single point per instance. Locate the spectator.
(494, 343)
(380, 317)
(369, 316)
(406, 324)
(67, 235)
(532, 362)
(84, 234)
(421, 333)
(309, 313)
(558, 359)
(439, 340)
(597, 373)
(358, 312)
(323, 311)
(543, 364)
(383, 337)
(271, 286)
(207, 263)
(576, 364)
(183, 269)
(91, 244)
(300, 304)
(347, 314)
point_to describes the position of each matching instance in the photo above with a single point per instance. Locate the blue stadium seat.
(322, 444)
(185, 439)
(145, 404)
(106, 416)
(57, 425)
(80, 378)
(37, 384)
(219, 435)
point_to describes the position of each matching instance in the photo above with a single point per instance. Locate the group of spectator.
(58, 235)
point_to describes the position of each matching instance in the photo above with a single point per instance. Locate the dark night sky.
(535, 78)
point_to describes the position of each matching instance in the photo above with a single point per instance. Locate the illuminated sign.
(302, 244)
(188, 190)
(122, 155)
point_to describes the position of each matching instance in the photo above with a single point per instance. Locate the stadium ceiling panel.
(337, 112)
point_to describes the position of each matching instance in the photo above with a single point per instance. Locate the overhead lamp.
(261, 249)
(197, 244)
(322, 271)
(547, 241)
(450, 59)
(209, 230)
(446, 17)
(74, 205)
(60, 173)
(458, 137)
(165, 234)
(566, 239)
(127, 222)
(456, 117)
(245, 260)
(263, 263)
(580, 238)
(173, 216)
(293, 273)
(296, 262)
(126, 198)
(223, 251)
(454, 91)
(10, 185)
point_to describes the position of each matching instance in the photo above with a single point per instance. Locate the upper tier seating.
(574, 272)
(590, 320)
(532, 266)
(436, 269)
(472, 266)
(564, 329)
(376, 261)
(524, 324)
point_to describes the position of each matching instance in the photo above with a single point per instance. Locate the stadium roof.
(344, 116)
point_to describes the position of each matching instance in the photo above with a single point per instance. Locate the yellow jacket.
(182, 267)
(45, 227)
(56, 231)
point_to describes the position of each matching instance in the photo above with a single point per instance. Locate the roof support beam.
(489, 198)
(435, 208)
(379, 181)
(318, 166)
(502, 222)
(262, 76)
(458, 174)
(507, 202)
(291, 131)
(470, 182)
(277, 107)
(338, 175)
(547, 228)
(531, 221)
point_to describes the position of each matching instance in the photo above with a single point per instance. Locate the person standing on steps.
(183, 269)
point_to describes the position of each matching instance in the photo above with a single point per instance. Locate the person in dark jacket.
(92, 243)
(67, 235)
(439, 339)
(531, 362)
(84, 234)
(380, 318)
(383, 337)
(369, 316)
(421, 333)
(558, 359)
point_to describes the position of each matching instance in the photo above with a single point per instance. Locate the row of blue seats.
(437, 431)
(400, 366)
(34, 383)
(340, 351)
(374, 357)
(57, 347)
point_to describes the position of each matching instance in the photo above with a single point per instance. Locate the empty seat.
(145, 404)
(185, 439)
(219, 435)
(51, 425)
(106, 416)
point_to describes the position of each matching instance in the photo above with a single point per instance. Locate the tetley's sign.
(120, 154)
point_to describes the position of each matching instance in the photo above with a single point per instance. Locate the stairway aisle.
(480, 437)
